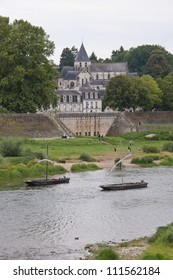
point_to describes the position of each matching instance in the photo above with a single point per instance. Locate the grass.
(88, 149)
(157, 247)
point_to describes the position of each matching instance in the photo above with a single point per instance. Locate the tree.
(138, 58)
(157, 65)
(26, 76)
(119, 55)
(153, 97)
(93, 57)
(67, 57)
(166, 85)
(118, 93)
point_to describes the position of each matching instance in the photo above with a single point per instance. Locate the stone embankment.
(57, 125)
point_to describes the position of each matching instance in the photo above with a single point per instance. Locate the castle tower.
(82, 60)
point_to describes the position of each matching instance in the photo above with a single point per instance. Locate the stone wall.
(28, 125)
(84, 124)
(87, 124)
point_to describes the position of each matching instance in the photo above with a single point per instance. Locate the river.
(56, 222)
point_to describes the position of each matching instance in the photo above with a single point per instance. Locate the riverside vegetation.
(157, 247)
(19, 157)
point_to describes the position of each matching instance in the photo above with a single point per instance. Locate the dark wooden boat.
(47, 181)
(124, 186)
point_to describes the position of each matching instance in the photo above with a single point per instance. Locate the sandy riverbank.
(107, 163)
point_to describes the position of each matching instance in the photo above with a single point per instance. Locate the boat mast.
(47, 163)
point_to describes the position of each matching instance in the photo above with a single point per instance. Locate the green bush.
(168, 147)
(106, 254)
(84, 167)
(86, 157)
(10, 148)
(154, 256)
(143, 160)
(150, 149)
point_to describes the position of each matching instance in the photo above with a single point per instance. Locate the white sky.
(103, 26)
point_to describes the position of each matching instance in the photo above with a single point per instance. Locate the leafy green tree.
(118, 93)
(26, 75)
(166, 85)
(67, 57)
(93, 57)
(119, 55)
(157, 64)
(142, 57)
(153, 97)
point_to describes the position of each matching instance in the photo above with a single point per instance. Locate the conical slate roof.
(82, 55)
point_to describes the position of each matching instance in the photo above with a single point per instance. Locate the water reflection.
(56, 222)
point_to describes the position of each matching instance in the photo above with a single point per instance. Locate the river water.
(56, 222)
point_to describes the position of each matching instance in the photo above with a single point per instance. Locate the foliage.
(153, 98)
(106, 254)
(145, 161)
(118, 93)
(166, 85)
(86, 157)
(141, 58)
(168, 147)
(84, 167)
(10, 148)
(93, 57)
(26, 75)
(67, 57)
(150, 149)
(161, 244)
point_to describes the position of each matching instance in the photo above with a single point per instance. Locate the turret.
(82, 60)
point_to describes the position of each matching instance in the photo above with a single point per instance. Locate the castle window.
(108, 76)
(80, 64)
(75, 98)
(72, 85)
(67, 98)
(70, 98)
(61, 98)
(96, 95)
(64, 98)
(91, 95)
(97, 77)
(86, 95)
(85, 64)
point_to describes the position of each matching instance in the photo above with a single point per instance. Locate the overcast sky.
(102, 25)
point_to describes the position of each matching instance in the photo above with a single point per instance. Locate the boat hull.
(45, 182)
(124, 186)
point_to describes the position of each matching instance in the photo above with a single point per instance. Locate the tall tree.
(117, 94)
(26, 78)
(157, 64)
(166, 85)
(93, 57)
(67, 57)
(153, 98)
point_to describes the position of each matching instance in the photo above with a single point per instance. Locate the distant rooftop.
(82, 55)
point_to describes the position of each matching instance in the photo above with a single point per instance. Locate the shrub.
(143, 160)
(107, 254)
(150, 149)
(10, 148)
(86, 157)
(168, 147)
(84, 167)
(155, 256)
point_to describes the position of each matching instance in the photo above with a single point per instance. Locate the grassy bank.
(19, 157)
(157, 247)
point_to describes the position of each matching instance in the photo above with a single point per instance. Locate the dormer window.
(86, 64)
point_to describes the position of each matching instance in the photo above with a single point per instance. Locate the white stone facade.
(80, 88)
